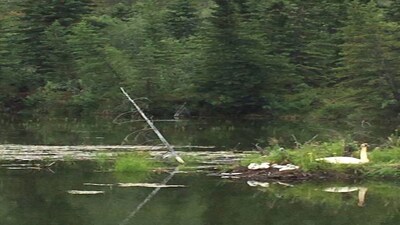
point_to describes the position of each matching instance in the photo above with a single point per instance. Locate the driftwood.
(150, 185)
(82, 152)
(79, 192)
(97, 148)
(37, 157)
(154, 128)
(127, 185)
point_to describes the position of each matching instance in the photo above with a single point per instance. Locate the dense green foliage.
(336, 59)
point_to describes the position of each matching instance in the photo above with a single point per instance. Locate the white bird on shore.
(258, 166)
(349, 160)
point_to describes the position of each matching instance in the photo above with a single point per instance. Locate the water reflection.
(362, 191)
(240, 134)
(42, 198)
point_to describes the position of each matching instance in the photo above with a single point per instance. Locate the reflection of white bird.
(349, 160)
(253, 183)
(341, 189)
(362, 191)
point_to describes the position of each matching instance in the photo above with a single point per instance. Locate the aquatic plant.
(385, 155)
(382, 170)
(135, 162)
(190, 162)
(103, 161)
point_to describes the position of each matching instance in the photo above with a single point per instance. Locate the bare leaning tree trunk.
(154, 128)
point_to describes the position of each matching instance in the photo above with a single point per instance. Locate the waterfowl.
(258, 166)
(349, 160)
(266, 165)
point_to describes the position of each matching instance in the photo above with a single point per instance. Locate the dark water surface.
(41, 198)
(223, 133)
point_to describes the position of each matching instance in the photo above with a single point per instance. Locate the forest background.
(316, 59)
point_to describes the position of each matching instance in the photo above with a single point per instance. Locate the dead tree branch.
(154, 128)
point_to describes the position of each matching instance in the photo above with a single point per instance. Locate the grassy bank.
(384, 161)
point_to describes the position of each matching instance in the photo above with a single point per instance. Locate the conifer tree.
(232, 81)
(9, 63)
(393, 11)
(37, 17)
(46, 60)
(370, 63)
(312, 40)
(88, 49)
(181, 19)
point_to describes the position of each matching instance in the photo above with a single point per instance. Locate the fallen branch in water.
(25, 155)
(154, 128)
(146, 185)
(79, 192)
(150, 185)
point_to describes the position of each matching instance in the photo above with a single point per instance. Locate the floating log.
(79, 192)
(36, 157)
(150, 185)
(147, 185)
(99, 185)
(80, 152)
(11, 147)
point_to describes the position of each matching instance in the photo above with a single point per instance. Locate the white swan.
(349, 160)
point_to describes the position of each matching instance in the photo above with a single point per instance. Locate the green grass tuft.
(135, 162)
(385, 155)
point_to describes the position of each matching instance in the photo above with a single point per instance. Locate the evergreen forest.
(321, 59)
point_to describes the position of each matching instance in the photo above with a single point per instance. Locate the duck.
(349, 160)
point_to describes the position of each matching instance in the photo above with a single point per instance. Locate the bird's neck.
(363, 155)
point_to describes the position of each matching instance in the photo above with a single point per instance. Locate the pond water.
(41, 198)
(222, 133)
